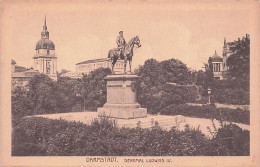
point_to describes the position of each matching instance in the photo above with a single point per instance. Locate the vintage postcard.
(130, 83)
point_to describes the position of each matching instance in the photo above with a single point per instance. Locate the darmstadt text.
(101, 159)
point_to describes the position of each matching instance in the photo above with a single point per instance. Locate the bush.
(45, 96)
(154, 76)
(232, 83)
(155, 100)
(21, 104)
(230, 140)
(44, 137)
(178, 94)
(231, 96)
(209, 112)
(229, 91)
(94, 88)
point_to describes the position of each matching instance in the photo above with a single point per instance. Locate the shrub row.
(208, 111)
(45, 96)
(155, 100)
(238, 83)
(231, 96)
(44, 137)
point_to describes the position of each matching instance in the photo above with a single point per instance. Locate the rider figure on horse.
(121, 43)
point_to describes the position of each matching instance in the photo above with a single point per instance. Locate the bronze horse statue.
(127, 53)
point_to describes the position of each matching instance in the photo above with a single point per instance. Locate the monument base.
(123, 113)
(121, 98)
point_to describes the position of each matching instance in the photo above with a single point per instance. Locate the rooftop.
(216, 58)
(26, 74)
(94, 61)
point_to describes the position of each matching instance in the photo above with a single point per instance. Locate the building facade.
(13, 63)
(74, 75)
(217, 63)
(220, 66)
(86, 67)
(45, 59)
(91, 65)
(21, 78)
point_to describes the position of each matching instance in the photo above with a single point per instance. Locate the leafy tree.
(150, 73)
(149, 85)
(21, 104)
(63, 71)
(175, 71)
(239, 61)
(200, 78)
(68, 89)
(209, 74)
(20, 69)
(154, 75)
(94, 88)
(44, 95)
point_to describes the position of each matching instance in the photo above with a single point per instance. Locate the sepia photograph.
(129, 83)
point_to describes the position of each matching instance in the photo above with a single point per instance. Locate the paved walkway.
(166, 122)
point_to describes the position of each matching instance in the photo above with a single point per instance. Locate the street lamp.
(79, 95)
(209, 92)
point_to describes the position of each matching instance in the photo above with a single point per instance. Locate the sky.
(82, 30)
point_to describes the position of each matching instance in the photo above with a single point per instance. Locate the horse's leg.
(112, 56)
(113, 64)
(113, 67)
(130, 65)
(112, 60)
(125, 61)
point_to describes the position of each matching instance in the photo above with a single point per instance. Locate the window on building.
(48, 64)
(216, 67)
(48, 52)
(48, 70)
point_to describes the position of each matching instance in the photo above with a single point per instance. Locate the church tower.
(225, 55)
(45, 60)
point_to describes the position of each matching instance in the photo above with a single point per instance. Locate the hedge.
(231, 96)
(155, 99)
(44, 137)
(208, 111)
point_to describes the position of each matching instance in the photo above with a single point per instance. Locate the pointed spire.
(45, 21)
(45, 26)
(45, 33)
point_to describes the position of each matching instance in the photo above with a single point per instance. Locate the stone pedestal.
(121, 98)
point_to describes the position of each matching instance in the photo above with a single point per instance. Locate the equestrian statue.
(124, 51)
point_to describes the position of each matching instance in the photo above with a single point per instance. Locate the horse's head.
(137, 41)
